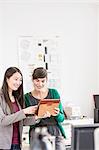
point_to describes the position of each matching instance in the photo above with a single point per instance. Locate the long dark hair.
(18, 94)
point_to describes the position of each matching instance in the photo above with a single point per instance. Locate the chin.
(15, 89)
(39, 89)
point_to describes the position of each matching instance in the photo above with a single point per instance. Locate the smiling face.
(14, 81)
(40, 84)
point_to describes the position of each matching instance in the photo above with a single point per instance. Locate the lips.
(39, 87)
(16, 87)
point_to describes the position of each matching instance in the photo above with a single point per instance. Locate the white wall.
(76, 24)
(98, 40)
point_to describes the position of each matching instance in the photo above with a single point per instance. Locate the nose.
(40, 83)
(19, 83)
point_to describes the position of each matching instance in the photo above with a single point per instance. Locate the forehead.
(40, 79)
(16, 75)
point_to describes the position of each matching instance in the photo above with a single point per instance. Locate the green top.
(59, 118)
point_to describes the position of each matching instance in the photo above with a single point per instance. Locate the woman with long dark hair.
(12, 111)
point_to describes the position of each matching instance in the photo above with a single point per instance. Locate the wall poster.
(39, 52)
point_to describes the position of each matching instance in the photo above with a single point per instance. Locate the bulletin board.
(39, 52)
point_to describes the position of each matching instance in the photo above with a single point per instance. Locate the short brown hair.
(39, 72)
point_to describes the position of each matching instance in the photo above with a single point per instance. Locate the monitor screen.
(96, 100)
(82, 137)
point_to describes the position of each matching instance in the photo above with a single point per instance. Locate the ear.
(46, 78)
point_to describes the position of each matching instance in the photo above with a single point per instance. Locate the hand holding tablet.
(48, 105)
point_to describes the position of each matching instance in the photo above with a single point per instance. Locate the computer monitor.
(96, 100)
(82, 137)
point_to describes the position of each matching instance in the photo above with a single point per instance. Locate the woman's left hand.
(56, 111)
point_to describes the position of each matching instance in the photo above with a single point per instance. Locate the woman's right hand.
(30, 110)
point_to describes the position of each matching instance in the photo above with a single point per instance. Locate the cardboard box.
(72, 111)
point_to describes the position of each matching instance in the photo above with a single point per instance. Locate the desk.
(67, 126)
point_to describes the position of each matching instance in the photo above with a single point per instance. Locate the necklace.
(12, 98)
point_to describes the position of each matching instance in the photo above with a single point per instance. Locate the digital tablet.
(47, 105)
